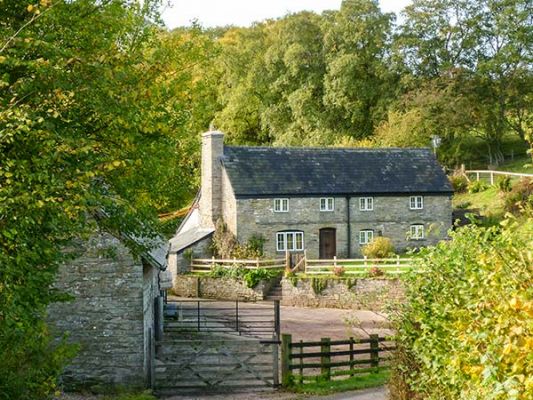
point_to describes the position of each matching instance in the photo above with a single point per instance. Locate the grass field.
(362, 381)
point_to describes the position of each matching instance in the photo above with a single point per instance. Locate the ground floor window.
(289, 241)
(416, 232)
(366, 236)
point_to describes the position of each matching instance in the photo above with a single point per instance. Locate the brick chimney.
(211, 181)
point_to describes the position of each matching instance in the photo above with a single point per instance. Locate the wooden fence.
(328, 359)
(490, 174)
(358, 266)
(207, 264)
(354, 266)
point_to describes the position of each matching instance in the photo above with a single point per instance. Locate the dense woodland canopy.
(101, 106)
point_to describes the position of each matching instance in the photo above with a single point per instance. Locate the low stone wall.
(219, 288)
(351, 293)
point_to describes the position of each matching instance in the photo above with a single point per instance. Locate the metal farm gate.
(218, 346)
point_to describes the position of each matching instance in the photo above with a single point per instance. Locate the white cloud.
(244, 12)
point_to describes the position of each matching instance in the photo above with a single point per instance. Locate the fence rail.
(335, 358)
(354, 266)
(491, 173)
(395, 265)
(205, 265)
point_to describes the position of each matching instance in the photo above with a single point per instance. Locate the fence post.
(325, 358)
(364, 257)
(257, 263)
(277, 319)
(374, 350)
(237, 316)
(212, 262)
(286, 377)
(334, 261)
(351, 356)
(477, 176)
(287, 260)
(398, 263)
(198, 315)
(491, 178)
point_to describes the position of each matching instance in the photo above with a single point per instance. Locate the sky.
(243, 12)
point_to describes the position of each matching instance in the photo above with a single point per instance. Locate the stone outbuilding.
(114, 313)
(324, 201)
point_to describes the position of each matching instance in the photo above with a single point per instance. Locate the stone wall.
(353, 293)
(106, 317)
(391, 217)
(219, 288)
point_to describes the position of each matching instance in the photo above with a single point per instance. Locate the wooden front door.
(328, 243)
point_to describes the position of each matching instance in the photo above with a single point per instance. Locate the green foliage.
(318, 285)
(463, 205)
(380, 247)
(459, 183)
(465, 331)
(504, 184)
(292, 278)
(250, 276)
(226, 246)
(520, 197)
(95, 116)
(477, 186)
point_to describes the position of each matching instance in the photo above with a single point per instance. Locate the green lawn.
(361, 381)
(489, 202)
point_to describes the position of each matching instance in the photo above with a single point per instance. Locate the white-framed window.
(416, 202)
(327, 204)
(281, 205)
(416, 232)
(366, 203)
(366, 236)
(290, 241)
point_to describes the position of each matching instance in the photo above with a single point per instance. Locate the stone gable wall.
(106, 316)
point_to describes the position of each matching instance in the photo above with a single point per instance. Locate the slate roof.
(271, 171)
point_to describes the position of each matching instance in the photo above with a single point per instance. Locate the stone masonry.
(357, 293)
(391, 217)
(110, 317)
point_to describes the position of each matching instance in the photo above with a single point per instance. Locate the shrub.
(464, 331)
(375, 272)
(339, 271)
(464, 205)
(225, 245)
(250, 276)
(477, 186)
(520, 196)
(504, 184)
(380, 247)
(459, 182)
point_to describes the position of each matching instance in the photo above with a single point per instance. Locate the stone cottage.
(325, 201)
(113, 314)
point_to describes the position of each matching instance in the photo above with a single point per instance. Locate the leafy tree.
(94, 116)
(358, 82)
(485, 43)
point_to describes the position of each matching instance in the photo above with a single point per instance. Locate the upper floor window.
(290, 241)
(416, 232)
(327, 204)
(366, 203)
(366, 236)
(416, 202)
(281, 205)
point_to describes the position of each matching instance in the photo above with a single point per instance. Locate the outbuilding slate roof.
(271, 171)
